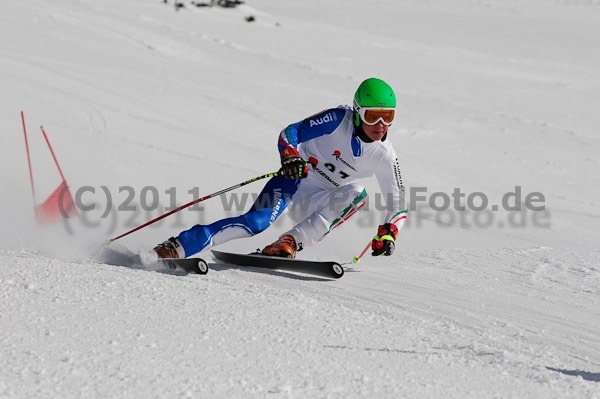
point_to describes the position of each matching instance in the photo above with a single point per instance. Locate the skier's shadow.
(262, 270)
(586, 375)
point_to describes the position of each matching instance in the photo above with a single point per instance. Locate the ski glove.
(294, 167)
(384, 242)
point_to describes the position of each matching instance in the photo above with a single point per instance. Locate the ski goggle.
(372, 115)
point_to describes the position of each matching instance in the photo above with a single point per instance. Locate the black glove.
(384, 242)
(294, 167)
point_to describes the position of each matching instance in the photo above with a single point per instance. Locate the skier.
(340, 144)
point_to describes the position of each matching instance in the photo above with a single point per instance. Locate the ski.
(124, 257)
(318, 268)
(188, 265)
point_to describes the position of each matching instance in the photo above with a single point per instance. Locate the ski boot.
(170, 249)
(285, 247)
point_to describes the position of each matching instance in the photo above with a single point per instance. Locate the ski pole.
(28, 157)
(356, 259)
(278, 173)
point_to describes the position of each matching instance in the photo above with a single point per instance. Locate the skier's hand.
(384, 242)
(294, 167)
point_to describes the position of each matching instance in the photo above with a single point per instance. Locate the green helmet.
(373, 92)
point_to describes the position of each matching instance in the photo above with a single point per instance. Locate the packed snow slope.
(434, 324)
(149, 106)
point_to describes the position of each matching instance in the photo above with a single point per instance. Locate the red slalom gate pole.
(28, 156)
(53, 156)
(278, 173)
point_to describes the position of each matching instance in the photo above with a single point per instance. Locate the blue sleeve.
(312, 127)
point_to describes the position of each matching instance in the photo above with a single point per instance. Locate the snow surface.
(492, 95)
